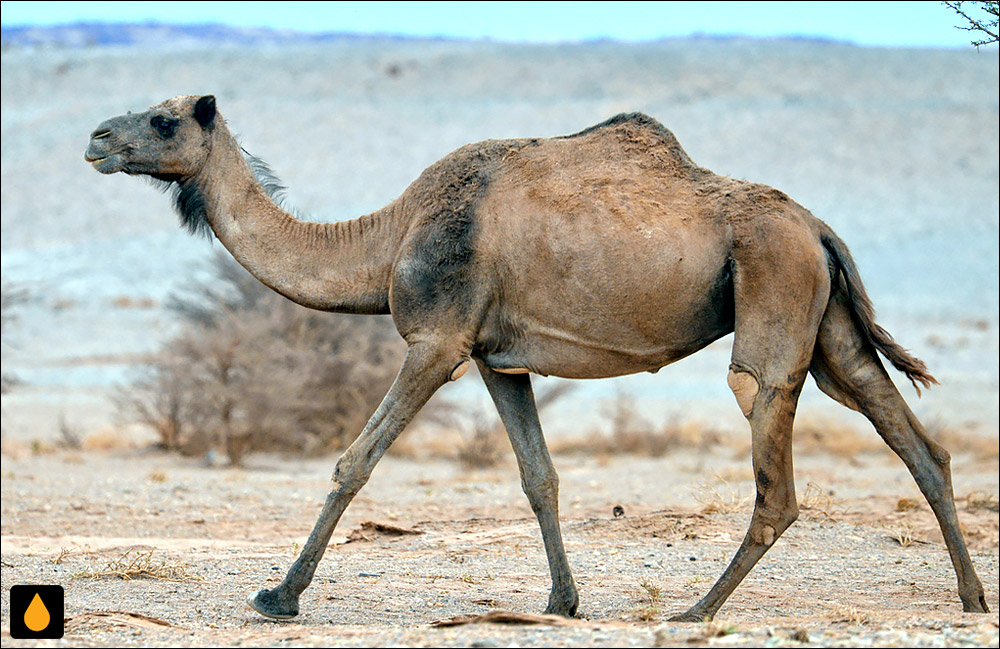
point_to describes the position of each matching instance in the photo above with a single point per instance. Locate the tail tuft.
(914, 368)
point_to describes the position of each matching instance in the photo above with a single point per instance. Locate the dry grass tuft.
(902, 532)
(648, 605)
(108, 439)
(720, 499)
(979, 500)
(713, 629)
(816, 503)
(850, 614)
(43, 447)
(139, 565)
(13, 448)
(127, 302)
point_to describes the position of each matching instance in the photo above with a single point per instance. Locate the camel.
(598, 254)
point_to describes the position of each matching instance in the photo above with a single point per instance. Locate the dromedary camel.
(597, 254)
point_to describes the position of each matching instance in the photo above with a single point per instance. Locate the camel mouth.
(105, 164)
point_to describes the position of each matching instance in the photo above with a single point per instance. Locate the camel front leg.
(516, 404)
(425, 369)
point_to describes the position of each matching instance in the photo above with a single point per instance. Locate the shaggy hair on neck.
(189, 200)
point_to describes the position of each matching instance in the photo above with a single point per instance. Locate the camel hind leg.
(778, 309)
(847, 368)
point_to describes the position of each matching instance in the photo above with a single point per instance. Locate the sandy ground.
(854, 570)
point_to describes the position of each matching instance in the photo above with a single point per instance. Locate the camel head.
(170, 141)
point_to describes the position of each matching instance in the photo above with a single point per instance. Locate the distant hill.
(153, 33)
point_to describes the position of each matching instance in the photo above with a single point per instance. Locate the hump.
(641, 135)
(636, 120)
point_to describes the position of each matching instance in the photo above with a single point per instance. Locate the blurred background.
(118, 327)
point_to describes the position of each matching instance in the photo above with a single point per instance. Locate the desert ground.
(896, 149)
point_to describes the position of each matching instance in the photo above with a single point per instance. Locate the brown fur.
(597, 254)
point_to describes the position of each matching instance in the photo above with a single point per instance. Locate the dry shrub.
(631, 434)
(484, 447)
(11, 298)
(251, 371)
(13, 448)
(485, 438)
(847, 442)
(838, 440)
(958, 441)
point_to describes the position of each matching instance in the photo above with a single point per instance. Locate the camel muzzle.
(100, 152)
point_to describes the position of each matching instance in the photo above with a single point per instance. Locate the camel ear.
(204, 110)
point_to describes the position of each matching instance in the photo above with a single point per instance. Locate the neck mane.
(344, 266)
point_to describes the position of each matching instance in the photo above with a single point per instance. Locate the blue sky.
(890, 24)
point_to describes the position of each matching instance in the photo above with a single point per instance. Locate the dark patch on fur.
(189, 201)
(763, 482)
(445, 199)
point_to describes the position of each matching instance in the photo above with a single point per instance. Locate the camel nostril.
(100, 133)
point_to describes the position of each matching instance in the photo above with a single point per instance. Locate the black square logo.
(36, 612)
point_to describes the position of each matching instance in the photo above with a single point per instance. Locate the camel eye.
(164, 127)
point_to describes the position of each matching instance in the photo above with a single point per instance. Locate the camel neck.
(343, 266)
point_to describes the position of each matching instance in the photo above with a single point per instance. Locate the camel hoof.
(565, 607)
(691, 615)
(975, 605)
(269, 604)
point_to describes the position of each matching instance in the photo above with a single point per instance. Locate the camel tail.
(864, 314)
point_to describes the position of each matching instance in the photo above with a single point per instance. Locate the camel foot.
(691, 615)
(976, 604)
(272, 604)
(565, 606)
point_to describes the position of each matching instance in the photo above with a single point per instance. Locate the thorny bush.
(251, 371)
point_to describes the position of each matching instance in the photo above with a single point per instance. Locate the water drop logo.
(36, 611)
(37, 616)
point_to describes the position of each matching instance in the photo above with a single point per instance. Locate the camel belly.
(560, 353)
(605, 334)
